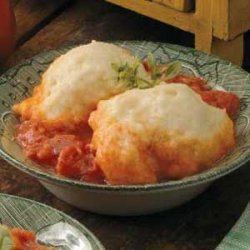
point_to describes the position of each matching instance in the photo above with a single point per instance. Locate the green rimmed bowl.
(50, 225)
(17, 84)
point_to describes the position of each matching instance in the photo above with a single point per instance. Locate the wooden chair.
(218, 25)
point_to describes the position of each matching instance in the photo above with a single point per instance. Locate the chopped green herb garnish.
(162, 71)
(127, 74)
(172, 70)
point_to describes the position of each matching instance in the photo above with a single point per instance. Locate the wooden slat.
(33, 15)
(14, 2)
(184, 21)
(220, 18)
(203, 32)
(181, 5)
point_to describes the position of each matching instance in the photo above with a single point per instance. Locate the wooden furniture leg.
(203, 30)
(230, 50)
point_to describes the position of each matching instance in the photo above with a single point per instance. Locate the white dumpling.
(75, 82)
(165, 132)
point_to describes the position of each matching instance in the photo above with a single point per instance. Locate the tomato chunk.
(65, 150)
(25, 240)
(75, 162)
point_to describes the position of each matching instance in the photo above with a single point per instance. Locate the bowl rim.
(200, 178)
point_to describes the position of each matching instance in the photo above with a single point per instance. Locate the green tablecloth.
(239, 236)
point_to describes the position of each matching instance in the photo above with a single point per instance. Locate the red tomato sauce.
(25, 240)
(220, 99)
(66, 151)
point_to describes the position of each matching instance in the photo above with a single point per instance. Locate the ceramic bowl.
(51, 227)
(18, 82)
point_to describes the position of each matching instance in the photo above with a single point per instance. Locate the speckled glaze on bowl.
(17, 84)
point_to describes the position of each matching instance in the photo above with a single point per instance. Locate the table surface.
(199, 224)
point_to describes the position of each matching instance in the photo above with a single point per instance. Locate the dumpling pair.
(139, 135)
